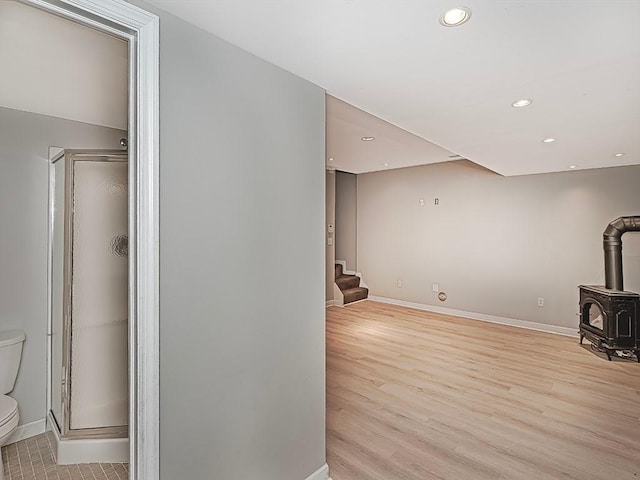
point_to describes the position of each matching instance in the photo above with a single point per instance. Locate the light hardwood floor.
(416, 395)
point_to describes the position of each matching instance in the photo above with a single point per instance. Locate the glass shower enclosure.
(89, 294)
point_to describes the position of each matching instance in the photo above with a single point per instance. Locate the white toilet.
(10, 354)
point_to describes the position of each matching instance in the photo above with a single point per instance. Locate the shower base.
(89, 450)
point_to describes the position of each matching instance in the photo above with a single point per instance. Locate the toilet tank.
(10, 354)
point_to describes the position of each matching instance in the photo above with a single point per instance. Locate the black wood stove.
(608, 314)
(609, 319)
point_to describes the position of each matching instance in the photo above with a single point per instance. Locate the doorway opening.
(139, 29)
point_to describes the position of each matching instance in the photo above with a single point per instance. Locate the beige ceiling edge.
(55, 67)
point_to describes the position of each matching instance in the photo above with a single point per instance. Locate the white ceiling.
(56, 67)
(392, 147)
(578, 60)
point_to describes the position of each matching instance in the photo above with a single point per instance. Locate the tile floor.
(33, 459)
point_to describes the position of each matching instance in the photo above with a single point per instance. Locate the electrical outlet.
(436, 201)
(422, 202)
(540, 302)
(399, 283)
(435, 287)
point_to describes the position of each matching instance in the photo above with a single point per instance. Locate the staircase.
(350, 286)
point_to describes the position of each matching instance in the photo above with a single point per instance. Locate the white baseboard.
(28, 430)
(541, 327)
(329, 303)
(321, 474)
(354, 303)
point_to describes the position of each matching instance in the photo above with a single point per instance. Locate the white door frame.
(141, 30)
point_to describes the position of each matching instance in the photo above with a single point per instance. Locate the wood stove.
(609, 319)
(609, 314)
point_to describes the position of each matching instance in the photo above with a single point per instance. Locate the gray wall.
(330, 218)
(242, 206)
(346, 219)
(25, 139)
(494, 244)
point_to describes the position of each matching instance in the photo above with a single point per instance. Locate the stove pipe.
(612, 243)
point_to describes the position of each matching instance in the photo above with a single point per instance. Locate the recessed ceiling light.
(549, 140)
(368, 139)
(619, 154)
(385, 164)
(572, 167)
(524, 102)
(455, 16)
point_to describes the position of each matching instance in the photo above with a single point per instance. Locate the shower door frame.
(71, 156)
(140, 29)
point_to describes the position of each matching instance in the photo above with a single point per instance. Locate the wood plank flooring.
(416, 395)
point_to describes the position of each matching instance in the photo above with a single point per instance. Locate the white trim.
(329, 303)
(141, 29)
(144, 355)
(541, 327)
(28, 430)
(321, 474)
(347, 305)
(338, 296)
(344, 269)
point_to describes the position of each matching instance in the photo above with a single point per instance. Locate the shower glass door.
(99, 303)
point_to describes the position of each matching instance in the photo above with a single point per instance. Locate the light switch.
(330, 241)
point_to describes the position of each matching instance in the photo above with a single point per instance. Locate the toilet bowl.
(8, 417)
(8, 422)
(10, 355)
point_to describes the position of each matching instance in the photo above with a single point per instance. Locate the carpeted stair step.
(338, 271)
(355, 294)
(346, 282)
(350, 286)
